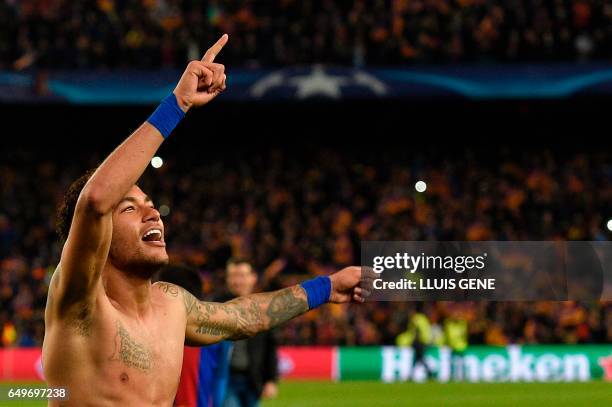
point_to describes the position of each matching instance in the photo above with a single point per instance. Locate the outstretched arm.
(210, 322)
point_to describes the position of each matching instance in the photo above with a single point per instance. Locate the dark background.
(377, 126)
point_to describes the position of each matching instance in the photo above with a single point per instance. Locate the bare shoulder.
(174, 292)
(168, 289)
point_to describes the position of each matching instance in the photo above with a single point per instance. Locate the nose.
(152, 214)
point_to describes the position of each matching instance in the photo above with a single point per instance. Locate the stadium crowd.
(298, 215)
(149, 34)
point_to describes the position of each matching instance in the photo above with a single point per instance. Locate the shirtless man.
(112, 337)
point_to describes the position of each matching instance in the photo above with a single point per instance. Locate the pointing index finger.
(212, 52)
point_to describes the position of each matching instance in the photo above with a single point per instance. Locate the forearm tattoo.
(241, 317)
(286, 304)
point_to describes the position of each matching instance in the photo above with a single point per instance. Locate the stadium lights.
(157, 162)
(164, 210)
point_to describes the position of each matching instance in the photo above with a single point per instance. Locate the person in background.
(205, 369)
(456, 338)
(419, 336)
(253, 363)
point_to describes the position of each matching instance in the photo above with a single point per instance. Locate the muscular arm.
(210, 322)
(88, 242)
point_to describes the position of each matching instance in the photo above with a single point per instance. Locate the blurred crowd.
(149, 34)
(298, 215)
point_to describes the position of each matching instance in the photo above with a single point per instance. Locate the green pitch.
(370, 394)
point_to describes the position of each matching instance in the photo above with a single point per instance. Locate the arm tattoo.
(212, 328)
(190, 301)
(130, 352)
(286, 304)
(207, 317)
(243, 316)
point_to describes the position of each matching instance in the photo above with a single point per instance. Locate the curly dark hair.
(65, 211)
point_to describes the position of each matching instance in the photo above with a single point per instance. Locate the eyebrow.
(133, 199)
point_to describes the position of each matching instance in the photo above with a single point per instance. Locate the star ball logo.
(317, 82)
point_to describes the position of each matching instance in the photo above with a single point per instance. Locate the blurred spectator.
(300, 214)
(419, 336)
(456, 338)
(204, 373)
(9, 334)
(253, 362)
(151, 34)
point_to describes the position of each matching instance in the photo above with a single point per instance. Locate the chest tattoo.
(131, 352)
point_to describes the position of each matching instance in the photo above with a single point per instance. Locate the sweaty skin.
(112, 338)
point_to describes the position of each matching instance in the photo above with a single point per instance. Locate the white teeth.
(150, 232)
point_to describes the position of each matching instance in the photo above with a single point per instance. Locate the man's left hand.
(345, 286)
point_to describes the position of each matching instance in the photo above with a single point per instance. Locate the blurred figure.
(456, 338)
(419, 336)
(381, 33)
(253, 363)
(9, 334)
(205, 369)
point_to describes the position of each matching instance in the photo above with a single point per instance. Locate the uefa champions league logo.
(317, 82)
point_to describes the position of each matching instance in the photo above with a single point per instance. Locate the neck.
(128, 292)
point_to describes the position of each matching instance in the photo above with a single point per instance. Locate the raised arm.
(87, 244)
(210, 322)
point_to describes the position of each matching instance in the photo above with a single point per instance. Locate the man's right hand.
(203, 80)
(269, 391)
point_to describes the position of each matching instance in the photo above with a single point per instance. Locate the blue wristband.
(317, 290)
(167, 115)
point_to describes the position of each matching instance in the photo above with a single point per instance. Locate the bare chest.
(120, 358)
(141, 355)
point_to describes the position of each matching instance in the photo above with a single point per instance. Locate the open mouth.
(153, 236)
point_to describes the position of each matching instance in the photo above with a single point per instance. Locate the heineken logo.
(606, 365)
(506, 364)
